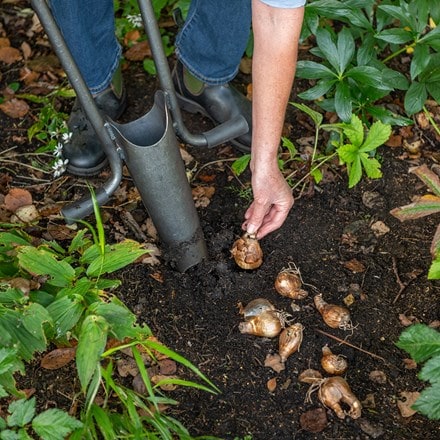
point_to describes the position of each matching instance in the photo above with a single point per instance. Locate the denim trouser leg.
(89, 30)
(213, 38)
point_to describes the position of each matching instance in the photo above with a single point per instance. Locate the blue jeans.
(210, 44)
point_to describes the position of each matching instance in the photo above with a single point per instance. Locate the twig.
(354, 346)
(399, 281)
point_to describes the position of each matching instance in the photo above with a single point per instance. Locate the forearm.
(276, 35)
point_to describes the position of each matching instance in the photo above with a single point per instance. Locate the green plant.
(51, 424)
(352, 81)
(425, 205)
(423, 345)
(358, 154)
(54, 295)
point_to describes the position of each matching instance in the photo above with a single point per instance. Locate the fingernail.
(251, 229)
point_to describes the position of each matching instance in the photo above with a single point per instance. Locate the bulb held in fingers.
(247, 252)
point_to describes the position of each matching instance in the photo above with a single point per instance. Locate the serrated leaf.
(54, 424)
(21, 412)
(431, 370)
(40, 262)
(348, 153)
(420, 341)
(240, 164)
(91, 345)
(354, 172)
(354, 131)
(428, 402)
(377, 135)
(371, 166)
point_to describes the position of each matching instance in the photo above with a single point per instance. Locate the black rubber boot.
(84, 151)
(219, 103)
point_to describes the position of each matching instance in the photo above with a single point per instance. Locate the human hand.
(272, 202)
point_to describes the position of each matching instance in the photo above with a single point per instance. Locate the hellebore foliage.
(423, 345)
(349, 81)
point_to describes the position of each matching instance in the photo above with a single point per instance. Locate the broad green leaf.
(428, 402)
(348, 153)
(343, 101)
(368, 76)
(103, 422)
(371, 166)
(120, 319)
(393, 79)
(40, 262)
(313, 70)
(66, 312)
(415, 98)
(316, 174)
(91, 345)
(319, 90)
(377, 135)
(21, 412)
(12, 239)
(420, 60)
(116, 257)
(54, 424)
(345, 49)
(428, 177)
(395, 36)
(395, 12)
(431, 370)
(328, 48)
(420, 341)
(239, 165)
(80, 242)
(387, 116)
(354, 172)
(354, 131)
(418, 209)
(314, 115)
(434, 270)
(434, 90)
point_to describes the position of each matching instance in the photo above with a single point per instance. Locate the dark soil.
(328, 231)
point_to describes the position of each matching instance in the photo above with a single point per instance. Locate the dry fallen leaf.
(410, 364)
(127, 367)
(314, 420)
(9, 55)
(25, 214)
(274, 361)
(15, 108)
(378, 376)
(405, 405)
(406, 321)
(202, 195)
(167, 366)
(138, 52)
(16, 198)
(58, 358)
(379, 228)
(355, 266)
(272, 384)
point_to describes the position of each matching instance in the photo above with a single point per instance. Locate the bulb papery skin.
(290, 340)
(333, 315)
(247, 252)
(288, 283)
(333, 363)
(256, 307)
(266, 324)
(335, 390)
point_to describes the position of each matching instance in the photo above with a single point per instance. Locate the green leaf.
(346, 48)
(314, 115)
(116, 257)
(348, 153)
(431, 370)
(377, 135)
(395, 36)
(428, 402)
(21, 412)
(343, 101)
(66, 312)
(434, 90)
(420, 60)
(313, 70)
(328, 48)
(91, 345)
(415, 98)
(10, 238)
(239, 165)
(428, 177)
(368, 76)
(371, 166)
(420, 341)
(434, 270)
(319, 90)
(40, 262)
(354, 131)
(354, 172)
(54, 424)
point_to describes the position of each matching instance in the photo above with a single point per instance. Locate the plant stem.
(431, 120)
(398, 52)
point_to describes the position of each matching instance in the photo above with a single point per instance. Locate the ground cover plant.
(344, 242)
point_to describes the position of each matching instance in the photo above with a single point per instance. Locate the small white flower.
(66, 137)
(135, 20)
(57, 152)
(59, 167)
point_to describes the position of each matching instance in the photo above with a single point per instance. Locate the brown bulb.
(333, 363)
(267, 324)
(247, 252)
(333, 315)
(290, 340)
(288, 283)
(255, 307)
